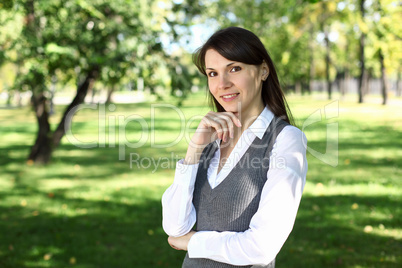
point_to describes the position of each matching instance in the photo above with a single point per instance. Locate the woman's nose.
(224, 82)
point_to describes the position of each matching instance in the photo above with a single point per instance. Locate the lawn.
(98, 203)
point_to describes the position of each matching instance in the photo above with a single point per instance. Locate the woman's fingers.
(235, 120)
(228, 129)
(223, 123)
(220, 126)
(216, 123)
(231, 121)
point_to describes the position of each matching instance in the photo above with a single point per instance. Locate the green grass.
(90, 209)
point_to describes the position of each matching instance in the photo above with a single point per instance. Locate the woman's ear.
(265, 70)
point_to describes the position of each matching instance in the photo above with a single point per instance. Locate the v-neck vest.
(231, 205)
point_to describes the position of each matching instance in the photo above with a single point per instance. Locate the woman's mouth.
(230, 97)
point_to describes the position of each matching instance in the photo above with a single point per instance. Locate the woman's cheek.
(212, 88)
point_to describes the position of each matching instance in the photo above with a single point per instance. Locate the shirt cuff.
(197, 247)
(185, 174)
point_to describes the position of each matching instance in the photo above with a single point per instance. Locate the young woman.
(235, 195)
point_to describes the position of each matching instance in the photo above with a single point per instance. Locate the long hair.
(241, 45)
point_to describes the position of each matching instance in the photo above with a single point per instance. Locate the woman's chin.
(236, 113)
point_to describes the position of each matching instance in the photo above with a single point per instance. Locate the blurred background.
(98, 100)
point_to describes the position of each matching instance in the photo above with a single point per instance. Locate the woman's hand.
(212, 126)
(181, 242)
(215, 125)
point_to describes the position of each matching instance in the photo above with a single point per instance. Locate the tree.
(382, 40)
(363, 73)
(387, 36)
(80, 39)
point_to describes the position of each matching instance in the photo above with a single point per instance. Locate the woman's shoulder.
(291, 129)
(292, 136)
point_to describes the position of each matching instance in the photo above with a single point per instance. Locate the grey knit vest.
(231, 205)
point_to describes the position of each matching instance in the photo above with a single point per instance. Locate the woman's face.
(235, 85)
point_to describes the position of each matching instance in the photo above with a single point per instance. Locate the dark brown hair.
(241, 45)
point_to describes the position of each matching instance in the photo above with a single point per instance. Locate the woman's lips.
(229, 97)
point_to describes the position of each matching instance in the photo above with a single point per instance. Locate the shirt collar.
(260, 125)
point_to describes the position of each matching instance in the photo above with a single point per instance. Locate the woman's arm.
(177, 202)
(274, 219)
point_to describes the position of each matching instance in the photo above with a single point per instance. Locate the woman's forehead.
(214, 60)
(212, 57)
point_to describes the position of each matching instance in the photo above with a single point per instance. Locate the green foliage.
(70, 37)
(125, 38)
(10, 29)
(293, 33)
(6, 4)
(88, 209)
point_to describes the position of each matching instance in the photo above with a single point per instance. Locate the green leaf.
(54, 48)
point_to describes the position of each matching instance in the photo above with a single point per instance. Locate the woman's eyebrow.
(208, 68)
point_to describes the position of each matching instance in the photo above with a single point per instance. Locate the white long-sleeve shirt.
(280, 198)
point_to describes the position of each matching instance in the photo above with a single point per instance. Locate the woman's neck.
(247, 118)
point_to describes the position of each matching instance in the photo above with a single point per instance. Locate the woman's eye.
(212, 74)
(235, 69)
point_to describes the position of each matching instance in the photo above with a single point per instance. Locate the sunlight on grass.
(361, 189)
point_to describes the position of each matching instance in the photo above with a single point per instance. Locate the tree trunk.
(41, 151)
(399, 84)
(367, 83)
(93, 93)
(9, 98)
(362, 60)
(52, 93)
(311, 67)
(346, 76)
(327, 62)
(346, 82)
(339, 80)
(110, 93)
(19, 99)
(79, 98)
(384, 86)
(298, 87)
